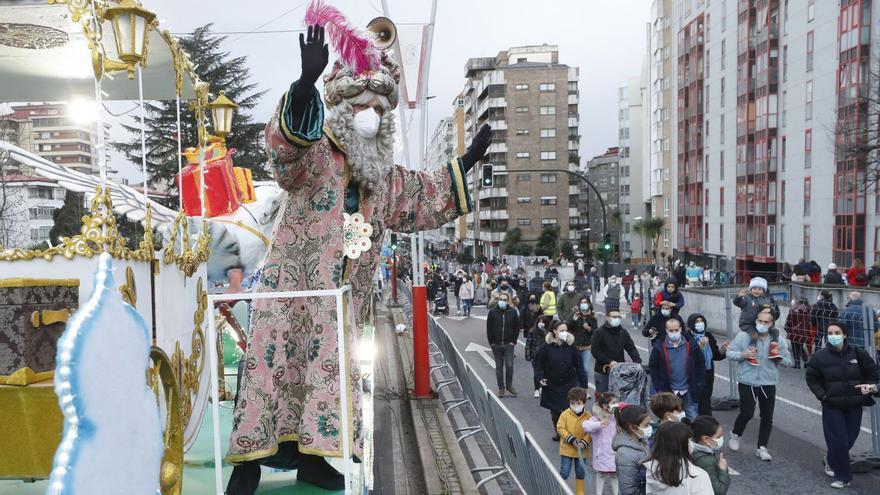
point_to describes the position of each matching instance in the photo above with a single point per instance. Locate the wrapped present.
(222, 195)
(245, 181)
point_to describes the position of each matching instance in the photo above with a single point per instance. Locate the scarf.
(707, 351)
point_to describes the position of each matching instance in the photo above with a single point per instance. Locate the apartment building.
(530, 100)
(604, 172)
(662, 131)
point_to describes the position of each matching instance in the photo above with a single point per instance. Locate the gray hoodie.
(768, 371)
(629, 456)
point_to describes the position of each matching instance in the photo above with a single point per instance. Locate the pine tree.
(223, 72)
(68, 218)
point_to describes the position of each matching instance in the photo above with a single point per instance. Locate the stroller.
(629, 381)
(441, 303)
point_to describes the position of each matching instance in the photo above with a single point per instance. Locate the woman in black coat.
(582, 325)
(711, 352)
(559, 369)
(843, 378)
(540, 326)
(821, 315)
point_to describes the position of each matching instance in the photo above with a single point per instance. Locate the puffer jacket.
(629, 457)
(694, 481)
(535, 339)
(603, 454)
(569, 429)
(832, 375)
(705, 458)
(466, 291)
(609, 344)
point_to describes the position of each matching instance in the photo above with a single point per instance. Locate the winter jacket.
(832, 375)
(627, 280)
(502, 326)
(661, 367)
(548, 303)
(583, 337)
(566, 305)
(750, 306)
(609, 344)
(694, 273)
(612, 297)
(851, 316)
(815, 272)
(676, 297)
(694, 482)
(874, 276)
(658, 322)
(603, 454)
(561, 365)
(528, 317)
(629, 457)
(717, 354)
(570, 428)
(534, 340)
(797, 324)
(707, 460)
(581, 286)
(833, 277)
(536, 285)
(466, 291)
(636, 306)
(857, 277)
(767, 372)
(522, 295)
(823, 313)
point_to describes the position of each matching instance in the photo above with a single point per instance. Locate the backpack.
(629, 381)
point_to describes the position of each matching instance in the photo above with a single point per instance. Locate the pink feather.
(354, 47)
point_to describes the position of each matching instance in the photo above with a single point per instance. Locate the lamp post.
(222, 109)
(130, 22)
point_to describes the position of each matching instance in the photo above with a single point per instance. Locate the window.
(806, 241)
(523, 221)
(708, 60)
(721, 165)
(811, 10)
(548, 155)
(665, 206)
(522, 109)
(666, 237)
(40, 213)
(548, 110)
(573, 200)
(40, 192)
(572, 87)
(548, 200)
(810, 45)
(523, 200)
(522, 154)
(523, 177)
(782, 152)
(782, 198)
(808, 192)
(548, 221)
(808, 111)
(706, 232)
(706, 197)
(723, 54)
(808, 148)
(706, 100)
(521, 87)
(721, 202)
(721, 129)
(547, 87)
(721, 237)
(721, 100)
(785, 63)
(548, 133)
(548, 178)
(522, 132)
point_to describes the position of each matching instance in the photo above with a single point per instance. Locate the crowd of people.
(669, 442)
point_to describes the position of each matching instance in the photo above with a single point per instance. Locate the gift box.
(245, 181)
(222, 195)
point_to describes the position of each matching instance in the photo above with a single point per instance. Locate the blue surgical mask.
(835, 340)
(502, 304)
(700, 327)
(666, 312)
(762, 328)
(585, 307)
(674, 337)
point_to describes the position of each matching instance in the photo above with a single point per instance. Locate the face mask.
(700, 327)
(614, 322)
(577, 408)
(835, 340)
(563, 336)
(626, 272)
(719, 442)
(585, 307)
(666, 312)
(762, 328)
(366, 123)
(679, 416)
(690, 447)
(647, 431)
(570, 288)
(502, 304)
(674, 337)
(541, 326)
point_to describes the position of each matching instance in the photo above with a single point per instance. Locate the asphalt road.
(797, 443)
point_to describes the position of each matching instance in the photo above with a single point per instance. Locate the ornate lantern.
(130, 23)
(221, 113)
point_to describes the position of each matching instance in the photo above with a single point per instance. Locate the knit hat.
(758, 282)
(832, 266)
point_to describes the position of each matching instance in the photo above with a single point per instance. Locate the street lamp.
(222, 109)
(130, 23)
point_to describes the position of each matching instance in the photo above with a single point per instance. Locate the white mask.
(366, 123)
(647, 431)
(699, 327)
(762, 328)
(679, 416)
(577, 408)
(666, 312)
(614, 322)
(563, 336)
(719, 442)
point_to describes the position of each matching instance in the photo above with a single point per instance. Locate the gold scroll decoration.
(187, 258)
(162, 373)
(129, 289)
(189, 369)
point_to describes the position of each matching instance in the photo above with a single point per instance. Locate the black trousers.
(554, 416)
(704, 405)
(765, 398)
(798, 353)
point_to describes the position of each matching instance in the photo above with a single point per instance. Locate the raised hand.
(315, 54)
(477, 150)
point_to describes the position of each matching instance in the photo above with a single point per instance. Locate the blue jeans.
(601, 382)
(585, 357)
(841, 430)
(565, 467)
(466, 306)
(691, 405)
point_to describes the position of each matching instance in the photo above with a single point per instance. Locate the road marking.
(483, 351)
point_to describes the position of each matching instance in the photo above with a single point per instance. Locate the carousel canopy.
(45, 56)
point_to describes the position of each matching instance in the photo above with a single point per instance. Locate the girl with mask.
(707, 442)
(559, 369)
(535, 338)
(631, 447)
(574, 442)
(711, 352)
(603, 427)
(582, 325)
(670, 468)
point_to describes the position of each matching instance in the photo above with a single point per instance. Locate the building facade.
(531, 102)
(604, 172)
(661, 106)
(27, 205)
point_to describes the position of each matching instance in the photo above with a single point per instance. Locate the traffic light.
(487, 181)
(606, 245)
(394, 242)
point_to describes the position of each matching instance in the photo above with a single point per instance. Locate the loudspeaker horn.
(385, 31)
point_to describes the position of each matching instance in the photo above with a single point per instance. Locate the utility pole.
(476, 195)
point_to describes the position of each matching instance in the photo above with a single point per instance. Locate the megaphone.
(384, 30)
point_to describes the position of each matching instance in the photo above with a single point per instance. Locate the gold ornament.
(189, 259)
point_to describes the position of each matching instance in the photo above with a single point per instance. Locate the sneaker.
(828, 471)
(753, 361)
(537, 393)
(763, 454)
(511, 392)
(500, 393)
(734, 442)
(773, 353)
(839, 484)
(556, 438)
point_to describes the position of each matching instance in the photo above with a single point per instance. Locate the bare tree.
(856, 132)
(13, 208)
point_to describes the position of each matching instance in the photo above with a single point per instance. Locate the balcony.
(492, 192)
(486, 236)
(497, 148)
(498, 125)
(498, 214)
(573, 99)
(497, 103)
(479, 64)
(572, 122)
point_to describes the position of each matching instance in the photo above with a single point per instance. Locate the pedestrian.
(677, 365)
(856, 275)
(823, 313)
(535, 340)
(670, 467)
(851, 316)
(874, 275)
(582, 325)
(708, 440)
(693, 274)
(706, 276)
(752, 301)
(466, 294)
(594, 280)
(757, 382)
(815, 272)
(503, 287)
(655, 328)
(560, 369)
(666, 407)
(679, 272)
(529, 314)
(787, 272)
(711, 352)
(627, 282)
(670, 296)
(832, 276)
(843, 378)
(567, 302)
(581, 285)
(459, 279)
(631, 448)
(574, 441)
(548, 300)
(609, 343)
(797, 328)
(522, 295)
(502, 332)
(636, 310)
(536, 283)
(612, 295)
(602, 427)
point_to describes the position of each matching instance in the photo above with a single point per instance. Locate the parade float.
(116, 51)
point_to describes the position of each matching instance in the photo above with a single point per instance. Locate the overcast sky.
(605, 39)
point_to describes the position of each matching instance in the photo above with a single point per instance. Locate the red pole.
(394, 278)
(420, 342)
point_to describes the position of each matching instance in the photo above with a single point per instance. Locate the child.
(708, 440)
(636, 308)
(631, 447)
(574, 442)
(752, 301)
(603, 427)
(671, 468)
(667, 407)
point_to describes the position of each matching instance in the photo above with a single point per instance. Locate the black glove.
(477, 150)
(315, 55)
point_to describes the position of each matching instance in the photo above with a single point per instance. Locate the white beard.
(370, 159)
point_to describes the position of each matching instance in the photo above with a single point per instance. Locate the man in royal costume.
(342, 192)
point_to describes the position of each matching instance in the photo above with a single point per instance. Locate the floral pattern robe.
(290, 382)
